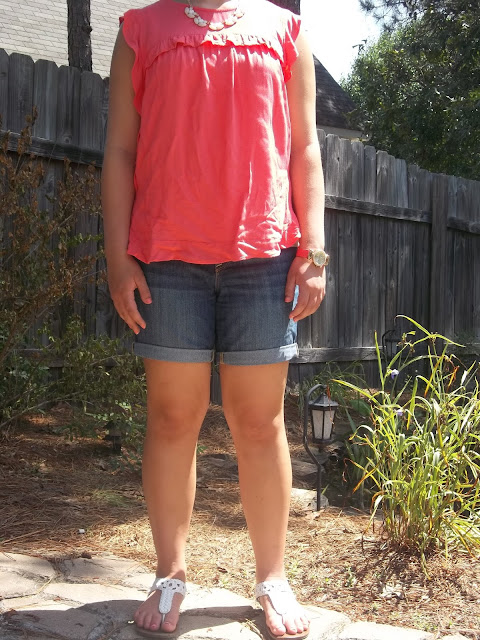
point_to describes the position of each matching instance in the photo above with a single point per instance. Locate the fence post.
(439, 267)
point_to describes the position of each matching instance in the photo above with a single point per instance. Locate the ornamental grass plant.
(419, 452)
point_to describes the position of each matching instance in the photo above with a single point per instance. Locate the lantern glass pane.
(323, 423)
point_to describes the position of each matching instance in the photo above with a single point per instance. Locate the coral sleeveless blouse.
(212, 171)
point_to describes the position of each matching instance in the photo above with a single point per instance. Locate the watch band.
(318, 257)
(302, 253)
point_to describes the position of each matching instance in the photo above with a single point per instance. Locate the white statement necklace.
(214, 26)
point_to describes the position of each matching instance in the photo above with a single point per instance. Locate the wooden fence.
(402, 240)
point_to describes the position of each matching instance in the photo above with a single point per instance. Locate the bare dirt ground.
(52, 487)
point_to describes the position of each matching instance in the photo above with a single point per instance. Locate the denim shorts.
(232, 313)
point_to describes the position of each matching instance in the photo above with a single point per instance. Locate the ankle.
(265, 576)
(179, 573)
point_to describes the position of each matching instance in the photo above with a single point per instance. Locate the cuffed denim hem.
(169, 354)
(263, 356)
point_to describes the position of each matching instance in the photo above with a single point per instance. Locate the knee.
(170, 422)
(253, 429)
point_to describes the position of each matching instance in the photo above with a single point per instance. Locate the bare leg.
(177, 400)
(253, 406)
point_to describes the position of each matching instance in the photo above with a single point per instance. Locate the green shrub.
(103, 378)
(421, 447)
(44, 261)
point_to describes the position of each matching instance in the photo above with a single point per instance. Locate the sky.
(333, 28)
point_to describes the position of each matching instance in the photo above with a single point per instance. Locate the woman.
(212, 177)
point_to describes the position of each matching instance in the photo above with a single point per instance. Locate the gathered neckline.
(185, 4)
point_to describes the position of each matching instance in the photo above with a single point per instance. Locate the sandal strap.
(281, 595)
(168, 588)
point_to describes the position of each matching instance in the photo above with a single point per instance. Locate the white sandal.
(168, 587)
(283, 601)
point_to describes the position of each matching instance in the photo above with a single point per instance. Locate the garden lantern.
(319, 410)
(390, 344)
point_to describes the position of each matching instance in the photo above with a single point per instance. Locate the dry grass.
(53, 487)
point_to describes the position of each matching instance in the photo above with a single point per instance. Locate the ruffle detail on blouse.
(217, 39)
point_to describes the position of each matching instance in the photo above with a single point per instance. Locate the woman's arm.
(307, 183)
(124, 273)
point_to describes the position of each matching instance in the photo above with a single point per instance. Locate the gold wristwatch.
(318, 257)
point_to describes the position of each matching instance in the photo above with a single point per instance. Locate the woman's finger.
(143, 289)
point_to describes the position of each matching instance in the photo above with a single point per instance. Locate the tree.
(292, 5)
(392, 12)
(79, 39)
(417, 88)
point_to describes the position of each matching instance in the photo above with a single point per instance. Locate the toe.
(291, 625)
(299, 624)
(170, 620)
(272, 619)
(147, 615)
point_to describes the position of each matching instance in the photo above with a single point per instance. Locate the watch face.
(319, 257)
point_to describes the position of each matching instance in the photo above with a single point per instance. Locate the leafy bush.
(103, 378)
(44, 261)
(421, 447)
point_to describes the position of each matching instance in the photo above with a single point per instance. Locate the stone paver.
(142, 581)
(326, 624)
(100, 568)
(374, 631)
(57, 619)
(306, 500)
(26, 564)
(90, 593)
(13, 584)
(8, 604)
(93, 599)
(199, 598)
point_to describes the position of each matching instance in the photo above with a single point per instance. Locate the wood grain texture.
(402, 240)
(20, 91)
(44, 87)
(438, 273)
(4, 66)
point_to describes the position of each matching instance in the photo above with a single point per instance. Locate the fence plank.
(419, 197)
(439, 245)
(44, 87)
(4, 64)
(370, 190)
(464, 261)
(406, 241)
(373, 256)
(91, 136)
(105, 99)
(91, 106)
(350, 293)
(345, 354)
(386, 194)
(324, 324)
(105, 311)
(68, 111)
(20, 91)
(475, 267)
(322, 140)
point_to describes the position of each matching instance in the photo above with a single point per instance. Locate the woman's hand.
(124, 276)
(311, 283)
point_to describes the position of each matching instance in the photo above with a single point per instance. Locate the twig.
(24, 535)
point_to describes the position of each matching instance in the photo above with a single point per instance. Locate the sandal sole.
(145, 633)
(288, 636)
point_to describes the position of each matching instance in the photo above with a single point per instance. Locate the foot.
(292, 620)
(149, 618)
